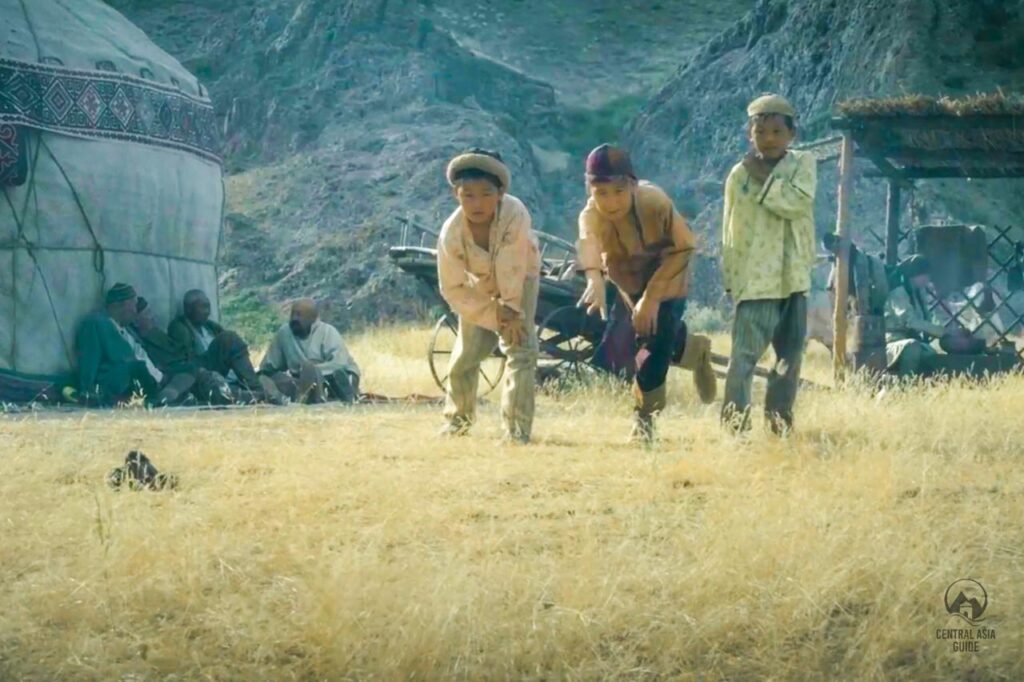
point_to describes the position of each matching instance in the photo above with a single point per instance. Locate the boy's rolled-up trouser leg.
(696, 357)
(753, 328)
(788, 342)
(519, 389)
(655, 357)
(472, 346)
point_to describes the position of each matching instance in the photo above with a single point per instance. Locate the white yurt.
(109, 172)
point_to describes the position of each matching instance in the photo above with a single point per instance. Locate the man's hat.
(120, 292)
(607, 163)
(771, 104)
(481, 160)
(914, 266)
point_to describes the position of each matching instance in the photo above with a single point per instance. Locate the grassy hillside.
(332, 543)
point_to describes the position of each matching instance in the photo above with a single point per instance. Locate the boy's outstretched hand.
(756, 166)
(593, 299)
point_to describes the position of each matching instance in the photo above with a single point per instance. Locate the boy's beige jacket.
(475, 282)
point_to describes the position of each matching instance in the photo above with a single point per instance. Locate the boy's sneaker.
(643, 429)
(515, 439)
(456, 428)
(779, 425)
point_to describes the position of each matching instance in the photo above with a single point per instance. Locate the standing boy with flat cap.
(768, 250)
(488, 266)
(632, 230)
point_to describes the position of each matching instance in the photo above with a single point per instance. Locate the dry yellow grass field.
(350, 543)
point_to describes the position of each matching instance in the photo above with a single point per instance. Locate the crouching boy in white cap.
(768, 249)
(488, 266)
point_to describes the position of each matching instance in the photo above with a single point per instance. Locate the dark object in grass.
(138, 473)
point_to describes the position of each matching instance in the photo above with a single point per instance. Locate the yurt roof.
(90, 36)
(109, 172)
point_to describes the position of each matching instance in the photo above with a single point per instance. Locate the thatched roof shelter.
(915, 136)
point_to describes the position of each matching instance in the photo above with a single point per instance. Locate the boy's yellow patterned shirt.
(768, 240)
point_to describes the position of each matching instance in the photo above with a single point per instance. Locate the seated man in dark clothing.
(216, 349)
(113, 365)
(910, 328)
(170, 357)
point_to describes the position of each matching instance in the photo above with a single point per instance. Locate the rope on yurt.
(220, 237)
(32, 30)
(99, 258)
(31, 183)
(29, 249)
(133, 252)
(18, 222)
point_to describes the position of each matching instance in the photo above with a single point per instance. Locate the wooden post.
(892, 224)
(842, 259)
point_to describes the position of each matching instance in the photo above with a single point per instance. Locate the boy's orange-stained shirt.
(648, 254)
(476, 281)
(768, 239)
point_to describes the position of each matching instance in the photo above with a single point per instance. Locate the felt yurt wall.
(109, 172)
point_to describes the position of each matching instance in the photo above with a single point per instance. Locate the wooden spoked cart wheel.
(566, 336)
(439, 354)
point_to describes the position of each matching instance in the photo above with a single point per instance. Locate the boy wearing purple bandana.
(631, 230)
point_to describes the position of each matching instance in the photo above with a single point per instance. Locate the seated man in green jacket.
(112, 364)
(215, 348)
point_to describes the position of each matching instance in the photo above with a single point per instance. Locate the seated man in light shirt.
(308, 361)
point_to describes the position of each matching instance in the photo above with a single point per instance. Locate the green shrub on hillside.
(706, 319)
(586, 128)
(249, 315)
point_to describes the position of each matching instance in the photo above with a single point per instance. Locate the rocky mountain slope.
(818, 52)
(339, 117)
